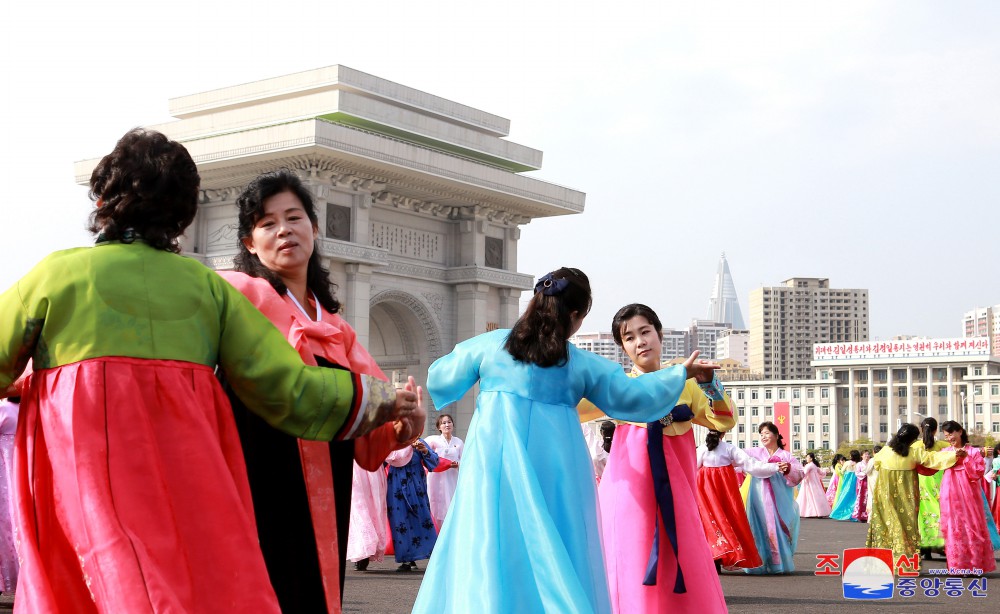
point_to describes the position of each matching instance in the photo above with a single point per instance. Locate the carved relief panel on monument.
(217, 228)
(494, 252)
(338, 222)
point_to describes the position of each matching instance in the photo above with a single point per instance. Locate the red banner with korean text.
(783, 419)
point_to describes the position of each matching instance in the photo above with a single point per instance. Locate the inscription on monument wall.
(408, 242)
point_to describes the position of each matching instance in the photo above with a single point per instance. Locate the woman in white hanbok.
(441, 484)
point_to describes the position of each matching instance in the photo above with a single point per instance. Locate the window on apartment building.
(826, 428)
(882, 411)
(863, 393)
(883, 393)
(754, 394)
(810, 393)
(811, 428)
(795, 429)
(977, 370)
(755, 443)
(996, 408)
(796, 445)
(942, 391)
(863, 411)
(754, 411)
(881, 375)
(795, 393)
(977, 390)
(882, 428)
(922, 392)
(901, 392)
(811, 410)
(864, 428)
(767, 394)
(940, 374)
(846, 429)
(942, 409)
(979, 408)
(979, 426)
(844, 393)
(742, 428)
(826, 444)
(781, 393)
(995, 389)
(739, 394)
(824, 393)
(825, 411)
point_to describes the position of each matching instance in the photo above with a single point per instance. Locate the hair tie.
(550, 286)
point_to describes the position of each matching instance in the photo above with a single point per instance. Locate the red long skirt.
(132, 494)
(725, 519)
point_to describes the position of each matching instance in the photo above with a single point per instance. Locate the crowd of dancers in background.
(202, 442)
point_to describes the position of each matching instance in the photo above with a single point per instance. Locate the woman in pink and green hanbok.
(131, 491)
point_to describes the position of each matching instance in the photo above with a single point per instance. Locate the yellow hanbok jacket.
(715, 414)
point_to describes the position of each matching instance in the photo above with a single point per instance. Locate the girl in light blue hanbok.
(522, 534)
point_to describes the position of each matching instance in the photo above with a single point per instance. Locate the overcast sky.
(858, 141)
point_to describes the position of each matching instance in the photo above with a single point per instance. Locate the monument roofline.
(233, 159)
(336, 77)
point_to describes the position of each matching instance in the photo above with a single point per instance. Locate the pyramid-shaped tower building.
(724, 305)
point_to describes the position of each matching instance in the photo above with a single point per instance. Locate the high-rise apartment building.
(786, 320)
(983, 322)
(602, 344)
(675, 345)
(702, 335)
(733, 344)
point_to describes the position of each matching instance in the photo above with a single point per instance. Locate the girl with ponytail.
(773, 512)
(526, 485)
(929, 482)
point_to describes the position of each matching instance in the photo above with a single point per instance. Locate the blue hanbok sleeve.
(645, 398)
(451, 376)
(430, 459)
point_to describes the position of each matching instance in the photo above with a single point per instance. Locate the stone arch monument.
(420, 201)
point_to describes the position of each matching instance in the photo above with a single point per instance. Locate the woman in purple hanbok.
(771, 507)
(860, 512)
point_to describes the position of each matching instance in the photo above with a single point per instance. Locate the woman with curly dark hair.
(131, 491)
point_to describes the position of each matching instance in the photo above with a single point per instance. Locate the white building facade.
(733, 344)
(866, 390)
